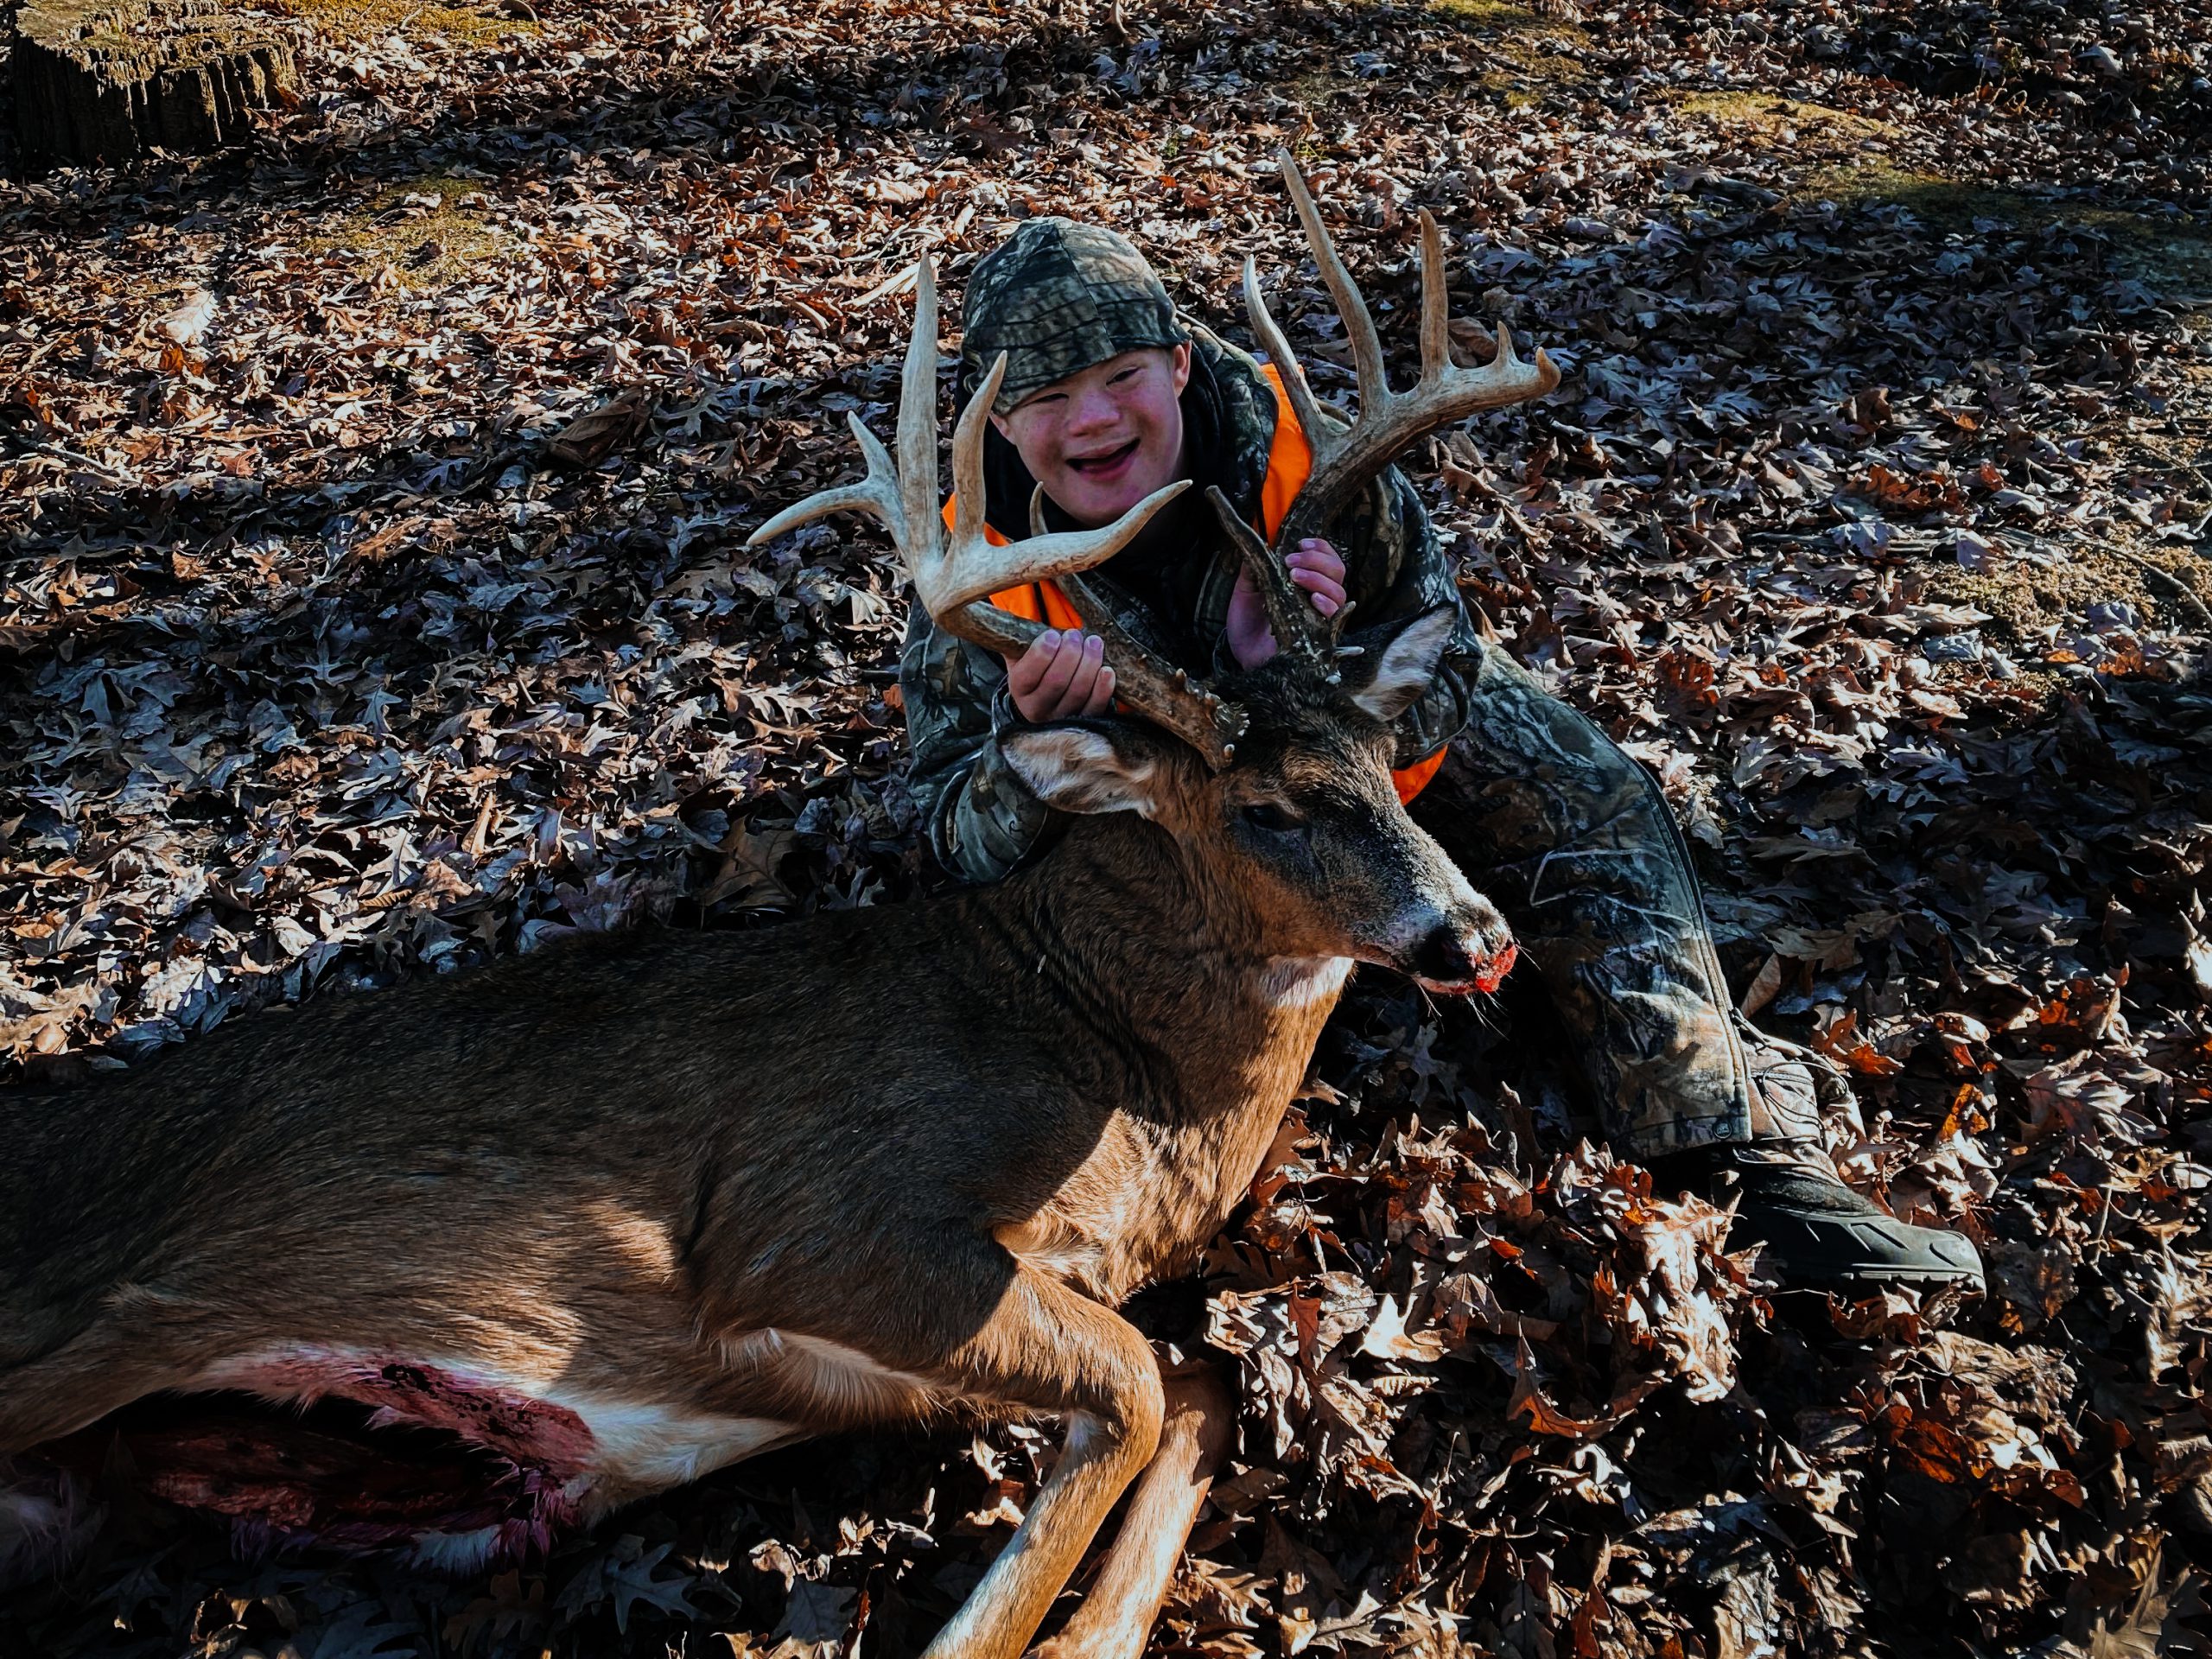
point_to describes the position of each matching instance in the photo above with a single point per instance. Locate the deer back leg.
(1117, 1617)
(96, 1372)
(1047, 1348)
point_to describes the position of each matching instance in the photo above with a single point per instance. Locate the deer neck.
(1129, 927)
(1200, 1038)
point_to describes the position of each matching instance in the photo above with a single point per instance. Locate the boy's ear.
(1404, 663)
(1092, 765)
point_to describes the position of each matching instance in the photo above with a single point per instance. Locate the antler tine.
(1359, 323)
(1323, 426)
(1436, 303)
(877, 493)
(1291, 618)
(1347, 459)
(904, 494)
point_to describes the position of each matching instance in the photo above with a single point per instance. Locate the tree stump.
(103, 81)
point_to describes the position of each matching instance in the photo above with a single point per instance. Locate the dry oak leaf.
(596, 434)
(1387, 1337)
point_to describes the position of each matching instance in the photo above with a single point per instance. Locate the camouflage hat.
(1057, 297)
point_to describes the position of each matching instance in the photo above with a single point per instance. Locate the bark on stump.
(103, 81)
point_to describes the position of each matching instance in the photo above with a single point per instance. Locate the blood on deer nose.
(1491, 975)
(1448, 960)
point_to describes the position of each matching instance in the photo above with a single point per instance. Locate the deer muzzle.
(1459, 957)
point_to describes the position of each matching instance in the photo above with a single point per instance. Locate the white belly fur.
(641, 1446)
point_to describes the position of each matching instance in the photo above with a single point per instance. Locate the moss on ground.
(1316, 89)
(2168, 255)
(1768, 119)
(1490, 13)
(1537, 52)
(145, 33)
(425, 246)
(2025, 598)
(345, 20)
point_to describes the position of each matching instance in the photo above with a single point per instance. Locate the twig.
(54, 451)
(2183, 591)
(898, 283)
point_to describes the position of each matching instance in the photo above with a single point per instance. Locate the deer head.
(1273, 786)
(1297, 847)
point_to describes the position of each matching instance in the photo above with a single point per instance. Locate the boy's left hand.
(1315, 566)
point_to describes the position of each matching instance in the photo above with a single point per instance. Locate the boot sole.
(1914, 1278)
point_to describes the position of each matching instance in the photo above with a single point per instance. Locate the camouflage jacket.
(981, 821)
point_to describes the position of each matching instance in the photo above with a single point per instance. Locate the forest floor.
(374, 602)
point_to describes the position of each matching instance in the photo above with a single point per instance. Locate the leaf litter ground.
(375, 604)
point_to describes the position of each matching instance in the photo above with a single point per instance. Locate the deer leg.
(1048, 1348)
(1117, 1617)
(78, 1383)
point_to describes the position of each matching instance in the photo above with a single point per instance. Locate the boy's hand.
(1313, 566)
(1061, 677)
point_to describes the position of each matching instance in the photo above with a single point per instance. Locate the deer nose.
(1456, 961)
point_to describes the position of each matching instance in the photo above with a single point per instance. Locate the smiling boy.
(1109, 393)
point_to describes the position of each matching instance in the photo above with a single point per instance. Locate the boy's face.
(1101, 441)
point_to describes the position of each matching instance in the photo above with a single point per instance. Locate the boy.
(1109, 394)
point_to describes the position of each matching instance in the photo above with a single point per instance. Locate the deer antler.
(1348, 455)
(954, 578)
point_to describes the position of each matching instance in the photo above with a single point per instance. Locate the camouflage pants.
(1574, 841)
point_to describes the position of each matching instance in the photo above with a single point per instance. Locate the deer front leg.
(1117, 1617)
(1050, 1349)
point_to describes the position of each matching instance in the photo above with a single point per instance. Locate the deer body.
(586, 1195)
(630, 1209)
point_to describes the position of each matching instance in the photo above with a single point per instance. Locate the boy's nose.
(1092, 410)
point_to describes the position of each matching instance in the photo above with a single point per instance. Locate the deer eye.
(1273, 817)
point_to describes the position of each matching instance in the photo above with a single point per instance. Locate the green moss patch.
(2024, 597)
(1538, 51)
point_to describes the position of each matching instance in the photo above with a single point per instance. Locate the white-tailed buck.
(623, 1212)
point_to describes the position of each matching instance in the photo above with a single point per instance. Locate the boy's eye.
(1273, 817)
(1126, 373)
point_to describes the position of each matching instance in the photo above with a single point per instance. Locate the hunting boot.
(1574, 842)
(1819, 1234)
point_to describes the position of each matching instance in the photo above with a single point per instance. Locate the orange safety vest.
(1290, 460)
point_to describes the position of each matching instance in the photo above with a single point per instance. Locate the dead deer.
(624, 1211)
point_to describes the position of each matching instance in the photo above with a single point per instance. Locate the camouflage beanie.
(1057, 297)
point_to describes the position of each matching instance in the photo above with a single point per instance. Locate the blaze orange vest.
(1290, 460)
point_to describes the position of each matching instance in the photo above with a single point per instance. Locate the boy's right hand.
(1061, 677)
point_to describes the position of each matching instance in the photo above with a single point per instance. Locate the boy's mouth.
(1105, 466)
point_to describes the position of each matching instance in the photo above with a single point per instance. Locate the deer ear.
(1088, 768)
(1405, 663)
